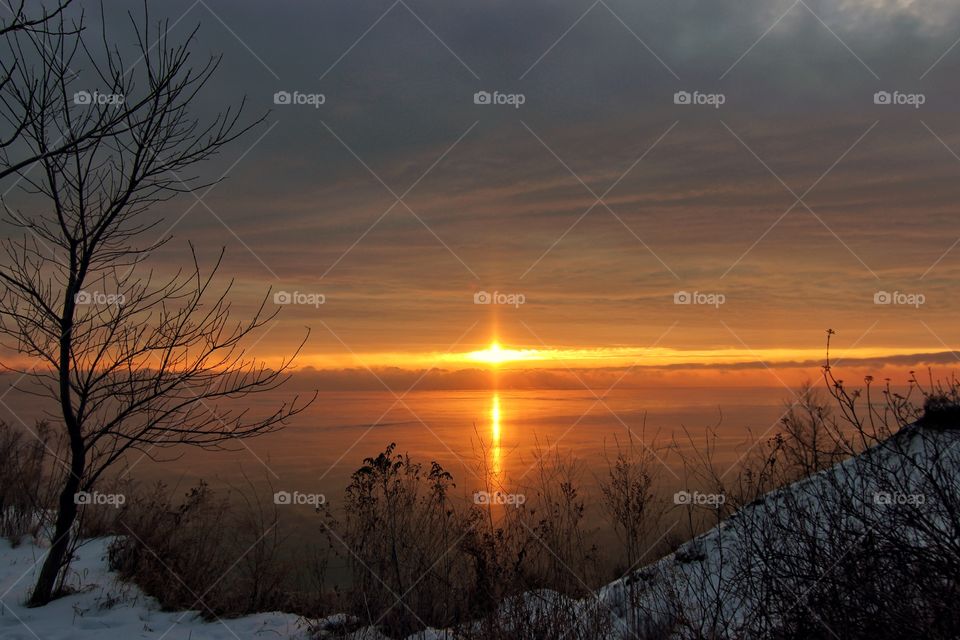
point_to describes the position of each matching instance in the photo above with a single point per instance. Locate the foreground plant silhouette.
(134, 362)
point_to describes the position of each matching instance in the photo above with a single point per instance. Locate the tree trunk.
(67, 511)
(66, 515)
(43, 592)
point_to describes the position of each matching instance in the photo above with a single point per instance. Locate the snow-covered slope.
(702, 584)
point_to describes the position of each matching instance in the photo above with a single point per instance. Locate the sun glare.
(495, 354)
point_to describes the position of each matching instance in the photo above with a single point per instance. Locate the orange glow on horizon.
(496, 356)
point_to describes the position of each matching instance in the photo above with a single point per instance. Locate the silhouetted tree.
(135, 362)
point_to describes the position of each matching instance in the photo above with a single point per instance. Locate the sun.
(495, 354)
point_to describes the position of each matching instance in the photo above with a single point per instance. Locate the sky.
(609, 227)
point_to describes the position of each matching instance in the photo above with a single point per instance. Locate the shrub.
(941, 409)
(400, 534)
(419, 557)
(28, 474)
(207, 552)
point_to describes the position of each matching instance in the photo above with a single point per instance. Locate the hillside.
(744, 578)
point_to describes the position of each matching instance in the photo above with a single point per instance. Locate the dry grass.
(219, 554)
(29, 471)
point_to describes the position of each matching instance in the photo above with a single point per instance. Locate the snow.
(104, 609)
(702, 572)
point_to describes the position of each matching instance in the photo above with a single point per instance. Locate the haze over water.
(327, 443)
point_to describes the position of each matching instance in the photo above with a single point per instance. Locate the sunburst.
(496, 354)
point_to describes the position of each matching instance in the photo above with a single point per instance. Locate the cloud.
(498, 210)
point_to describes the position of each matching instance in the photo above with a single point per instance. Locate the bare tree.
(38, 50)
(134, 360)
(23, 89)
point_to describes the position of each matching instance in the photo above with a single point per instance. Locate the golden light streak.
(496, 355)
(496, 455)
